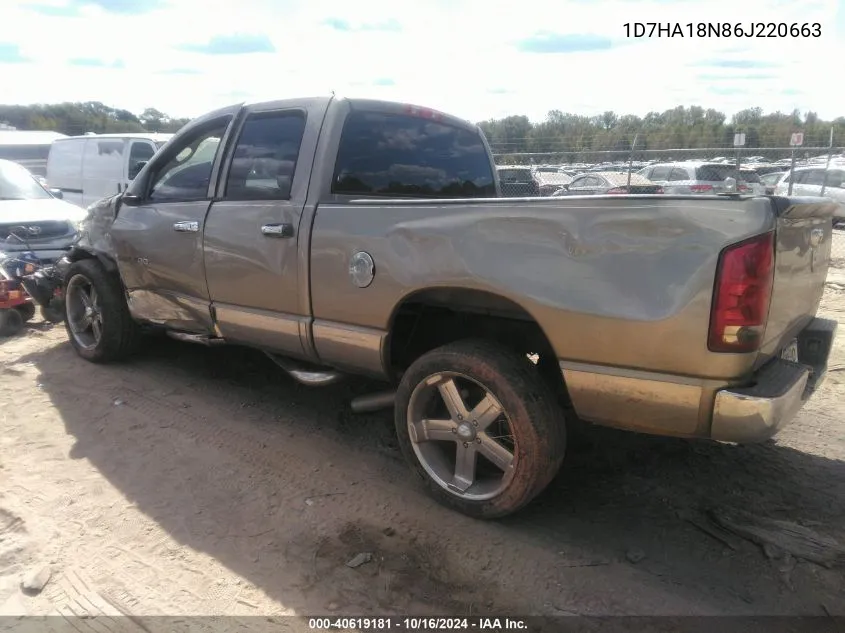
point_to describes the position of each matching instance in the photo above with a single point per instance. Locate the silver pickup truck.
(352, 236)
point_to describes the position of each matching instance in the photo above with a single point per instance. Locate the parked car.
(517, 181)
(692, 177)
(770, 180)
(808, 181)
(87, 168)
(493, 322)
(609, 182)
(762, 170)
(752, 182)
(48, 224)
(550, 181)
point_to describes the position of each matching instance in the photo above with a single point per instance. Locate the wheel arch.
(430, 317)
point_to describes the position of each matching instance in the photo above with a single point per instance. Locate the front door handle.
(187, 227)
(277, 230)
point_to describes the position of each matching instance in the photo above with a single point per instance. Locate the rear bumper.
(756, 413)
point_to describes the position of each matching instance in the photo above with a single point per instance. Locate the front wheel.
(97, 319)
(11, 322)
(481, 428)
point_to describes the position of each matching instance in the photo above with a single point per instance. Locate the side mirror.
(56, 193)
(130, 200)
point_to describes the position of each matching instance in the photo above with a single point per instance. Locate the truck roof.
(358, 103)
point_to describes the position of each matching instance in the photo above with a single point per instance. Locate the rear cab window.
(401, 155)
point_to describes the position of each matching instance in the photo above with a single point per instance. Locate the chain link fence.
(818, 171)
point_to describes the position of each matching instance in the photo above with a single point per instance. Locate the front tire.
(11, 322)
(97, 319)
(480, 427)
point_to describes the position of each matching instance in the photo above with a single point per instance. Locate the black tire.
(11, 322)
(54, 312)
(536, 421)
(119, 333)
(27, 311)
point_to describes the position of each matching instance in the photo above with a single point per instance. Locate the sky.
(472, 58)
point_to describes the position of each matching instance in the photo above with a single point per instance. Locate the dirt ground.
(203, 481)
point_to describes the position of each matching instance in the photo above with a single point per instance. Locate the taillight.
(701, 188)
(618, 190)
(743, 187)
(659, 190)
(744, 279)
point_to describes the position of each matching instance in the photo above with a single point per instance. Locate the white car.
(40, 220)
(808, 181)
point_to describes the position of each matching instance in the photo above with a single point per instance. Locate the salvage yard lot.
(203, 481)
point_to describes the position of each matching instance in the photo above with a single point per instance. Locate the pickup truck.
(344, 236)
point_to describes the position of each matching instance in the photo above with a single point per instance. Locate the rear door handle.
(187, 227)
(277, 230)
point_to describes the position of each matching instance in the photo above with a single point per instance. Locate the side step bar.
(201, 339)
(306, 374)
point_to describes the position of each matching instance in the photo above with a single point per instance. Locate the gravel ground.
(203, 481)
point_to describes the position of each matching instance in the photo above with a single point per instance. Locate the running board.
(306, 374)
(201, 339)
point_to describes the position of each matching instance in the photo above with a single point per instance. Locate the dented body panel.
(621, 286)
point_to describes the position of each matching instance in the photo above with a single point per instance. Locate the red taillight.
(744, 280)
(743, 187)
(659, 190)
(618, 190)
(701, 188)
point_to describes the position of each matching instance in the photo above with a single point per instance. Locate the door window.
(836, 178)
(679, 174)
(660, 173)
(186, 175)
(140, 152)
(813, 177)
(265, 156)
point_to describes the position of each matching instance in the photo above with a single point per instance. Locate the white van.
(88, 168)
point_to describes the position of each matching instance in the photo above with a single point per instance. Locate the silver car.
(608, 182)
(693, 177)
(808, 181)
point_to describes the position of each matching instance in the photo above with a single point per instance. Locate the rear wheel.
(11, 322)
(97, 319)
(481, 428)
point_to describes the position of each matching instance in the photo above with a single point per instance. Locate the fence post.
(791, 172)
(827, 164)
(631, 161)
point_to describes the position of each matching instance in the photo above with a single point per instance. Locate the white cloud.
(461, 56)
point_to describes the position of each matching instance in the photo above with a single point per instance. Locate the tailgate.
(804, 231)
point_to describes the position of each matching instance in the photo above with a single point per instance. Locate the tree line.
(91, 116)
(678, 128)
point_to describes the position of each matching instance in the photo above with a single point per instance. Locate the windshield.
(16, 183)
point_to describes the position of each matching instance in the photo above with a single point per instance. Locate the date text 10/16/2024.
(722, 29)
(417, 624)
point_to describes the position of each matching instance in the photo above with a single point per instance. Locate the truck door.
(254, 246)
(159, 230)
